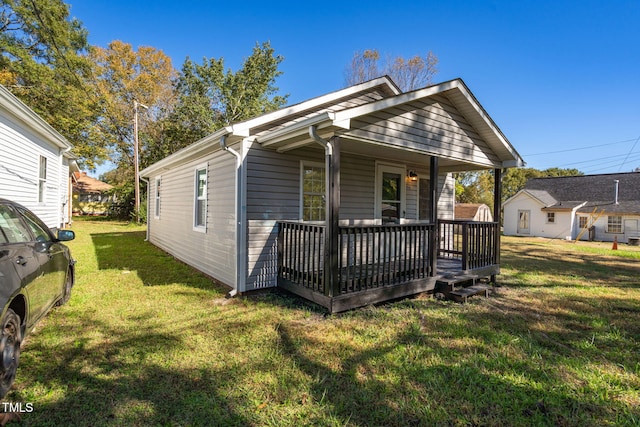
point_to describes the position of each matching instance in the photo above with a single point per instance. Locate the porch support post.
(332, 213)
(433, 199)
(497, 213)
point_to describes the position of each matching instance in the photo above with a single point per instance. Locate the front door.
(390, 194)
(523, 222)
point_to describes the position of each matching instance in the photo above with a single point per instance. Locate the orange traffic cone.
(615, 243)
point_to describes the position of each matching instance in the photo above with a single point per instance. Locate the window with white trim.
(614, 224)
(200, 205)
(582, 222)
(551, 217)
(42, 179)
(157, 198)
(312, 188)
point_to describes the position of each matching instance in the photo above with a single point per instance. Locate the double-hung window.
(551, 217)
(42, 179)
(313, 191)
(200, 205)
(614, 224)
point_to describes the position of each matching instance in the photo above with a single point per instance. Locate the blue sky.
(560, 78)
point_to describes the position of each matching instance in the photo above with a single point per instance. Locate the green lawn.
(146, 340)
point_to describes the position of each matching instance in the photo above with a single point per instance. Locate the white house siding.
(213, 252)
(517, 203)
(273, 193)
(631, 224)
(20, 151)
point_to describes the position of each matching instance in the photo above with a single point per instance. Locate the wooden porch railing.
(379, 255)
(473, 243)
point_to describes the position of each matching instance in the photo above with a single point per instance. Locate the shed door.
(523, 222)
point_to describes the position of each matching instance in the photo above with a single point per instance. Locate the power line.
(581, 148)
(629, 153)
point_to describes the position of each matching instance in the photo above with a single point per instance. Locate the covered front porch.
(382, 262)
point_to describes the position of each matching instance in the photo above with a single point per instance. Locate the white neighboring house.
(36, 162)
(567, 207)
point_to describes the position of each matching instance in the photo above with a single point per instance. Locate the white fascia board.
(18, 109)
(322, 120)
(246, 126)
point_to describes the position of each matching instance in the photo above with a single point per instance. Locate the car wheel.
(9, 350)
(68, 284)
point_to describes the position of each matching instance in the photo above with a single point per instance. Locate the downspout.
(240, 240)
(331, 216)
(146, 239)
(66, 180)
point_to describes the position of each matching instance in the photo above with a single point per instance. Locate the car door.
(52, 260)
(19, 266)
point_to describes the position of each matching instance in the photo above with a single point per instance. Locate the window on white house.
(157, 205)
(582, 222)
(551, 217)
(42, 179)
(200, 208)
(313, 192)
(614, 224)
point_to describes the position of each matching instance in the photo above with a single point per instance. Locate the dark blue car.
(36, 273)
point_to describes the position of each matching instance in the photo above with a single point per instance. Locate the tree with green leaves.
(211, 97)
(43, 62)
(408, 73)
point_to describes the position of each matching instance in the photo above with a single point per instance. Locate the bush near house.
(146, 340)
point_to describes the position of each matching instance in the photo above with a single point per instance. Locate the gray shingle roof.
(597, 190)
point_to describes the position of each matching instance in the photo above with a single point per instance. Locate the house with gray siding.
(599, 207)
(36, 162)
(345, 199)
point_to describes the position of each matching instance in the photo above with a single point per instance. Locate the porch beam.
(433, 199)
(497, 212)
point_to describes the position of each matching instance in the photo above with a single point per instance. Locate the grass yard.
(147, 341)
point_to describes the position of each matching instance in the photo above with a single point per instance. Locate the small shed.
(473, 212)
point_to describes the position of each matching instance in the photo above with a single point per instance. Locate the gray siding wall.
(273, 193)
(20, 151)
(213, 252)
(433, 126)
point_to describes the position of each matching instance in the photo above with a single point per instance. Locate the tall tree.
(210, 97)
(408, 73)
(43, 62)
(121, 76)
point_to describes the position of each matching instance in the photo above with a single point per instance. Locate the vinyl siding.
(213, 252)
(273, 193)
(20, 151)
(431, 126)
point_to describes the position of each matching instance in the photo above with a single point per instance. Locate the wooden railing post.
(433, 194)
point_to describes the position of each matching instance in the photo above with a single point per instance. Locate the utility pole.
(136, 162)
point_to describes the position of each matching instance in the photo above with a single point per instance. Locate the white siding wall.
(20, 151)
(630, 229)
(521, 202)
(213, 252)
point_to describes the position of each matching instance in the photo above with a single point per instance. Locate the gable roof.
(351, 112)
(593, 191)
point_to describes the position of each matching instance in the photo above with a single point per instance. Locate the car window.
(39, 230)
(11, 228)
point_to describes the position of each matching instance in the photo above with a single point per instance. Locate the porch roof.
(443, 120)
